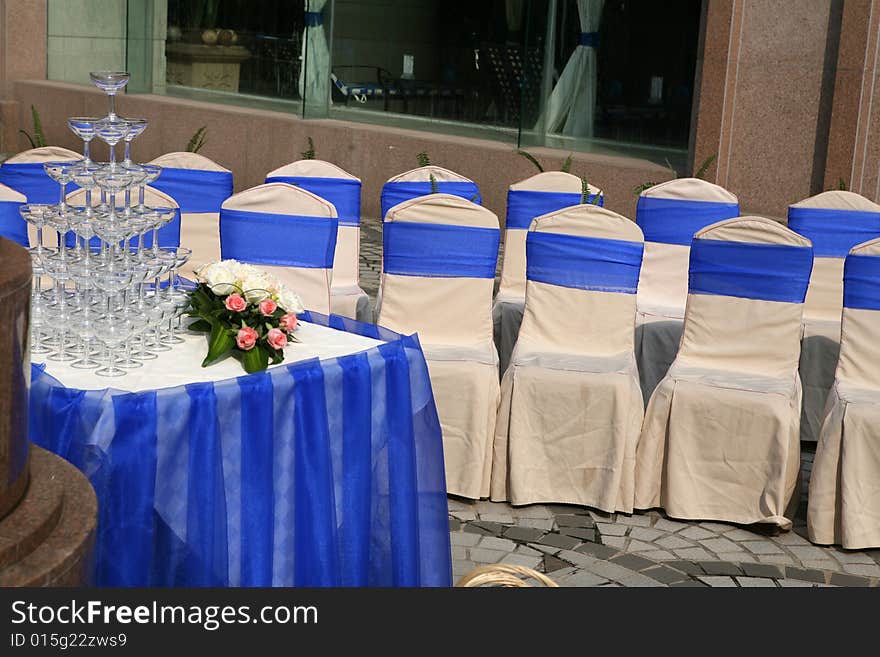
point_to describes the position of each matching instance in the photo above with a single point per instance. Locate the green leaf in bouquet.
(201, 325)
(220, 343)
(255, 360)
(277, 356)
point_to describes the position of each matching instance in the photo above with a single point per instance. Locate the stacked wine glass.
(107, 296)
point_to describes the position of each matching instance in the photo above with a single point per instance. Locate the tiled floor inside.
(577, 546)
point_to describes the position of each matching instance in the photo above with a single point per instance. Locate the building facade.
(779, 97)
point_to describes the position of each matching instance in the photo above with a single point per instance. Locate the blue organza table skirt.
(314, 473)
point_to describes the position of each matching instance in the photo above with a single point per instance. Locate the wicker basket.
(503, 574)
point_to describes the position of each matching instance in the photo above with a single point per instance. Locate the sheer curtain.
(572, 104)
(314, 73)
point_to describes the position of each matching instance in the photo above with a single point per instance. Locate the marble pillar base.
(48, 539)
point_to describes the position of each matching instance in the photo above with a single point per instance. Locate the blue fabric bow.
(769, 272)
(673, 221)
(524, 205)
(861, 282)
(278, 239)
(439, 250)
(343, 193)
(194, 190)
(585, 263)
(398, 192)
(12, 226)
(834, 232)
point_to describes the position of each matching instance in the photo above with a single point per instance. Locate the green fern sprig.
(566, 166)
(309, 154)
(39, 139)
(531, 158)
(197, 140)
(704, 167)
(433, 183)
(423, 159)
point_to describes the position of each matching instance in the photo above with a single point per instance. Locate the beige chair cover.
(571, 406)
(508, 309)
(453, 318)
(423, 174)
(844, 502)
(199, 231)
(822, 307)
(346, 296)
(720, 437)
(43, 154)
(311, 284)
(663, 285)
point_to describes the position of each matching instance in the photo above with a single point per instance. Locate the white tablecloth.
(182, 365)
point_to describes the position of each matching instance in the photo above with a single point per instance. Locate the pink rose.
(235, 303)
(267, 307)
(288, 322)
(276, 339)
(246, 338)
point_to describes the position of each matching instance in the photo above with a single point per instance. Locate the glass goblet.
(135, 128)
(110, 82)
(84, 128)
(111, 131)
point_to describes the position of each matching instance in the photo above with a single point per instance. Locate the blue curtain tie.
(768, 272)
(314, 18)
(12, 226)
(861, 282)
(194, 190)
(524, 205)
(439, 250)
(589, 39)
(672, 221)
(277, 239)
(30, 179)
(834, 232)
(398, 192)
(343, 193)
(585, 263)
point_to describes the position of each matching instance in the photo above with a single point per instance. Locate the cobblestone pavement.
(577, 546)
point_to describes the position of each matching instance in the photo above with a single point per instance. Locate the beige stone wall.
(252, 142)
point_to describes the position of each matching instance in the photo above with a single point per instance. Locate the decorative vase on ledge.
(211, 63)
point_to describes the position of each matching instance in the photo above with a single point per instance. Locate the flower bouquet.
(247, 312)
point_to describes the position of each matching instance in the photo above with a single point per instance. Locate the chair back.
(438, 269)
(343, 190)
(286, 231)
(542, 193)
(24, 173)
(747, 282)
(12, 226)
(169, 234)
(417, 182)
(199, 185)
(834, 222)
(859, 362)
(669, 214)
(582, 274)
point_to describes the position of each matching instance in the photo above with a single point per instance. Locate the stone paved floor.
(577, 546)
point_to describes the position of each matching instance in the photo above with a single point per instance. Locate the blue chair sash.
(523, 205)
(12, 226)
(398, 192)
(834, 232)
(195, 190)
(439, 250)
(278, 239)
(344, 193)
(673, 221)
(585, 263)
(768, 272)
(30, 179)
(861, 282)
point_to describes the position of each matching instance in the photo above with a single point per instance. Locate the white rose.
(256, 286)
(290, 301)
(220, 278)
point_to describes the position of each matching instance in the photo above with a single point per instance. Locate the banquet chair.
(199, 185)
(844, 500)
(286, 231)
(12, 226)
(24, 173)
(571, 404)
(527, 199)
(669, 214)
(343, 190)
(417, 182)
(720, 436)
(834, 222)
(438, 270)
(169, 234)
